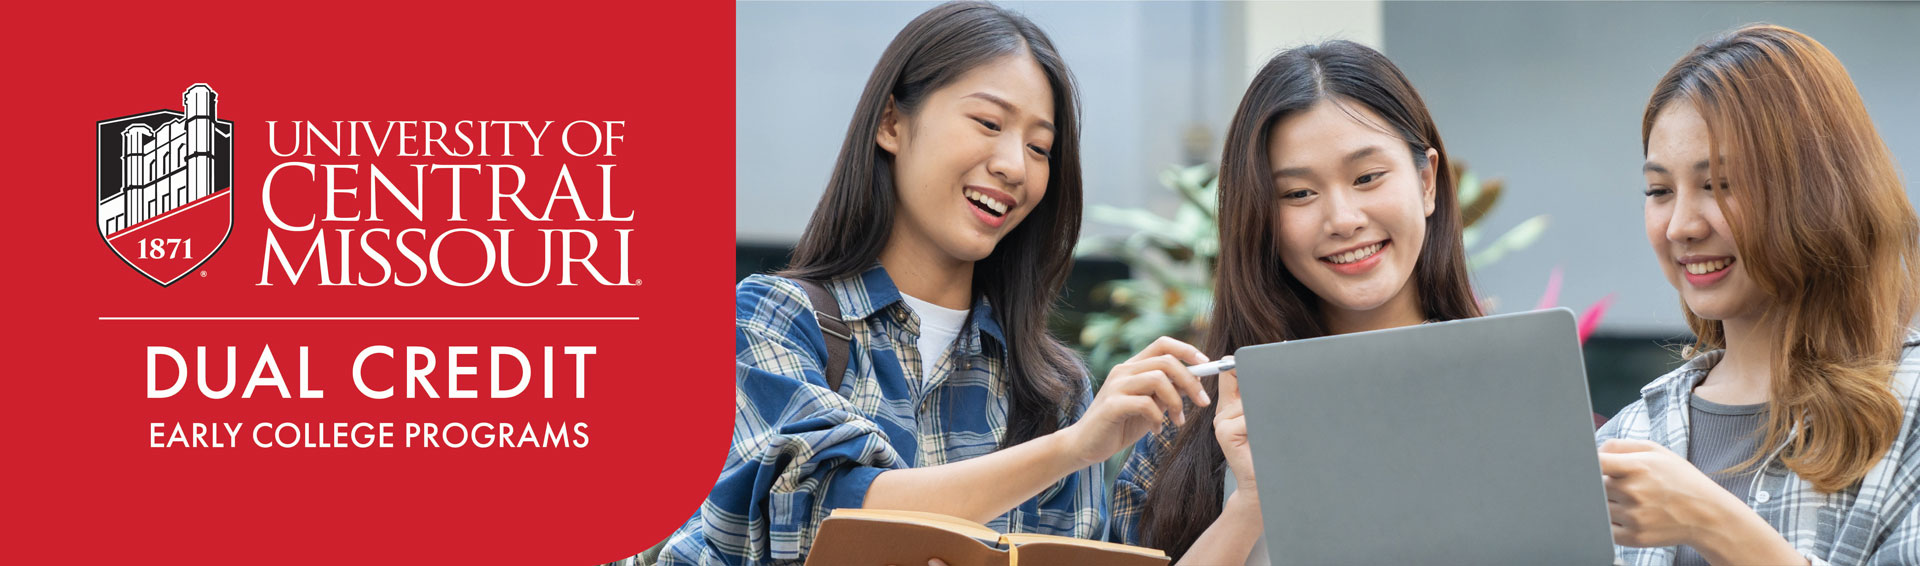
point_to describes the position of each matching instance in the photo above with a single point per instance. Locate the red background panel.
(82, 483)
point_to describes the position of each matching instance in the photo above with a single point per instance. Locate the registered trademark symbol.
(203, 273)
(636, 281)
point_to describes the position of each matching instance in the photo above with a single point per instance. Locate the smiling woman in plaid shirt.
(945, 235)
(1776, 211)
(1337, 215)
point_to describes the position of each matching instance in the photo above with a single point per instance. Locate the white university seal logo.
(165, 186)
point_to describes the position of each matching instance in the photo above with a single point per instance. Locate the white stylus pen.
(1212, 368)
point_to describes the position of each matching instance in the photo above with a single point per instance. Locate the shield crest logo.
(165, 186)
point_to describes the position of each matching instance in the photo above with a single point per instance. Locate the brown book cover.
(863, 537)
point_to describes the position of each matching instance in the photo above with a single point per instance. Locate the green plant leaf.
(1516, 238)
(1489, 195)
(1466, 187)
(1141, 221)
(1094, 246)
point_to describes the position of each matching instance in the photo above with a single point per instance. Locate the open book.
(909, 538)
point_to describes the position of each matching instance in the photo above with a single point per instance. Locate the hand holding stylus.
(1138, 397)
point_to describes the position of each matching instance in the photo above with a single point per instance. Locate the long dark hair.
(1256, 301)
(1023, 276)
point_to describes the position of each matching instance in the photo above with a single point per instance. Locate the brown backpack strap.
(836, 333)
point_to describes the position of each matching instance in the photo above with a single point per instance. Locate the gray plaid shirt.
(1874, 521)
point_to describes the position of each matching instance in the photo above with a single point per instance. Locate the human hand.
(1230, 430)
(1136, 398)
(1656, 498)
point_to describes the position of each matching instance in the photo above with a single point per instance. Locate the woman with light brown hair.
(1778, 214)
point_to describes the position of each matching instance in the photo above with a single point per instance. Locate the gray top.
(1722, 436)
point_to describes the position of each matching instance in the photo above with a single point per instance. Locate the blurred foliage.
(1173, 261)
(1171, 291)
(1476, 200)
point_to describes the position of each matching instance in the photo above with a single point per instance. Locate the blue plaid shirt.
(1874, 521)
(800, 450)
(1136, 479)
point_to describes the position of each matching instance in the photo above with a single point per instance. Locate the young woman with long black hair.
(945, 236)
(1337, 215)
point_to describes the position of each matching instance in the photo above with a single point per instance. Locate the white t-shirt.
(939, 327)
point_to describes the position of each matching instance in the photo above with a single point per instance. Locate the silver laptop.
(1463, 442)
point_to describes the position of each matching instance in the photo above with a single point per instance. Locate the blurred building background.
(1546, 96)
